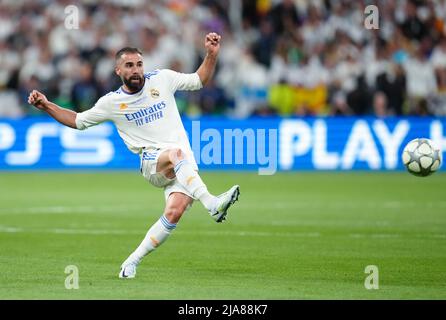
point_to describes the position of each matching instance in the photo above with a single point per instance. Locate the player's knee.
(176, 155)
(174, 213)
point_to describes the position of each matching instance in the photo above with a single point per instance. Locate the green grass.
(291, 236)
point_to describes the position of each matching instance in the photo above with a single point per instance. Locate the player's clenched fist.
(37, 99)
(212, 43)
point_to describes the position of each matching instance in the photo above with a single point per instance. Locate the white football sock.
(156, 235)
(191, 181)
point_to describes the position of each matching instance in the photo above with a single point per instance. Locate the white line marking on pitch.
(70, 209)
(7, 229)
(267, 206)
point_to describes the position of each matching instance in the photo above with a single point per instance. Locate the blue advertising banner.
(266, 145)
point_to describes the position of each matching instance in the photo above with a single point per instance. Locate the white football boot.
(224, 201)
(128, 271)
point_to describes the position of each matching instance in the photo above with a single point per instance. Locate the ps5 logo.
(92, 147)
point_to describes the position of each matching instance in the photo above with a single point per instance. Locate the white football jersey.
(149, 117)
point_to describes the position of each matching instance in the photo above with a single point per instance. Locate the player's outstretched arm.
(64, 116)
(212, 45)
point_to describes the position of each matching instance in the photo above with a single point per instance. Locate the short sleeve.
(182, 81)
(98, 114)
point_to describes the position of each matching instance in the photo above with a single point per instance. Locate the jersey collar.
(132, 93)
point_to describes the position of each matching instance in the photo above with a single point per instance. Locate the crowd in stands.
(278, 57)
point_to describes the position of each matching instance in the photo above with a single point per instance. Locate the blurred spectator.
(281, 99)
(284, 16)
(10, 62)
(392, 83)
(10, 106)
(262, 48)
(212, 99)
(380, 104)
(24, 89)
(360, 98)
(290, 57)
(412, 26)
(421, 108)
(421, 81)
(252, 84)
(438, 58)
(85, 91)
(339, 105)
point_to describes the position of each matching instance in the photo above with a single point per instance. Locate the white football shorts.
(149, 159)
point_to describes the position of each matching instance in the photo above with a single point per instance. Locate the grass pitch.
(291, 236)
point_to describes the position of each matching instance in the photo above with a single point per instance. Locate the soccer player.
(147, 119)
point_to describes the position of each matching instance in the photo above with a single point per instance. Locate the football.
(421, 157)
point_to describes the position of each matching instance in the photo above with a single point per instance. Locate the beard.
(134, 82)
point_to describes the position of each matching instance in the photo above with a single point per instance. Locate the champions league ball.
(421, 157)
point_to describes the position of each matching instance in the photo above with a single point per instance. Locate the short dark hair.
(127, 50)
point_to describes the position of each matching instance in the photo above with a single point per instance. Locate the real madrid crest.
(154, 93)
